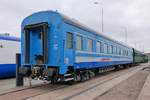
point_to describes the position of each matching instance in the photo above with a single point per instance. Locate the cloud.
(132, 14)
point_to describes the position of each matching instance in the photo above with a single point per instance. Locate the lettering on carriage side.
(105, 59)
(79, 59)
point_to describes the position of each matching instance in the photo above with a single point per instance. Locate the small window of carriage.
(79, 42)
(110, 49)
(119, 51)
(69, 40)
(102, 47)
(114, 50)
(98, 46)
(127, 53)
(105, 48)
(89, 44)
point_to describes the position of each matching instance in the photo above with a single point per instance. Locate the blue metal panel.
(11, 38)
(7, 70)
(54, 42)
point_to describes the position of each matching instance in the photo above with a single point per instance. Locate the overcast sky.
(134, 15)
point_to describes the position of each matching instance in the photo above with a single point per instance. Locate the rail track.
(62, 90)
(70, 93)
(30, 92)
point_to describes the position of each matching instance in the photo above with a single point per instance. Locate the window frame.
(98, 47)
(71, 41)
(81, 42)
(91, 46)
(102, 47)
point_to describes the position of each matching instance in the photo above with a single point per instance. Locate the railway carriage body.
(9, 46)
(139, 57)
(58, 45)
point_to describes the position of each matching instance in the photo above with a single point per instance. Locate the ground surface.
(127, 90)
(124, 84)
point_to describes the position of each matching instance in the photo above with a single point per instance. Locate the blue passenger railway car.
(56, 47)
(9, 46)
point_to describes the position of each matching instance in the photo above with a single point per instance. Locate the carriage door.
(36, 44)
(69, 49)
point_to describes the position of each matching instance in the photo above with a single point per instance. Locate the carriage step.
(69, 79)
(67, 75)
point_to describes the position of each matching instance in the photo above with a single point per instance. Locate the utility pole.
(102, 12)
(102, 20)
(126, 34)
(143, 49)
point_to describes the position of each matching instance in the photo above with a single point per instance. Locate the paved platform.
(88, 93)
(145, 93)
(9, 85)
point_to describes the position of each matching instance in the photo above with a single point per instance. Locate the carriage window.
(124, 52)
(111, 49)
(69, 40)
(105, 48)
(114, 50)
(101, 47)
(79, 42)
(127, 53)
(119, 51)
(89, 45)
(98, 44)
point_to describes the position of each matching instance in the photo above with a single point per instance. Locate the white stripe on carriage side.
(79, 59)
(8, 51)
(102, 54)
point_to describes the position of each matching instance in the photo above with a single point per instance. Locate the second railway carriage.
(57, 47)
(9, 46)
(139, 57)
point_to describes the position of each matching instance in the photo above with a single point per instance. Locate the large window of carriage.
(89, 44)
(79, 42)
(69, 40)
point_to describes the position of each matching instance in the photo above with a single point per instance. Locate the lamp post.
(102, 11)
(126, 34)
(143, 49)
